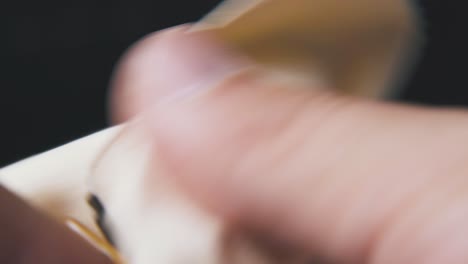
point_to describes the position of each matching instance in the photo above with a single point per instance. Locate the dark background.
(56, 59)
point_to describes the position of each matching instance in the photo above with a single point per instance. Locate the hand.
(29, 237)
(352, 180)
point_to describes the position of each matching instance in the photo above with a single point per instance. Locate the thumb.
(353, 180)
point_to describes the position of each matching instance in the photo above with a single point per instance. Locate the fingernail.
(188, 62)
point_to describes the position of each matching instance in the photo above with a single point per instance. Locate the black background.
(56, 59)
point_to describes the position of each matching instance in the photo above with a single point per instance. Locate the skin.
(28, 237)
(347, 179)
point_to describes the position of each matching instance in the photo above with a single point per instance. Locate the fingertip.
(132, 74)
(166, 63)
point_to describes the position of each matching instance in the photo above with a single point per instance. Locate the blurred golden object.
(362, 47)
